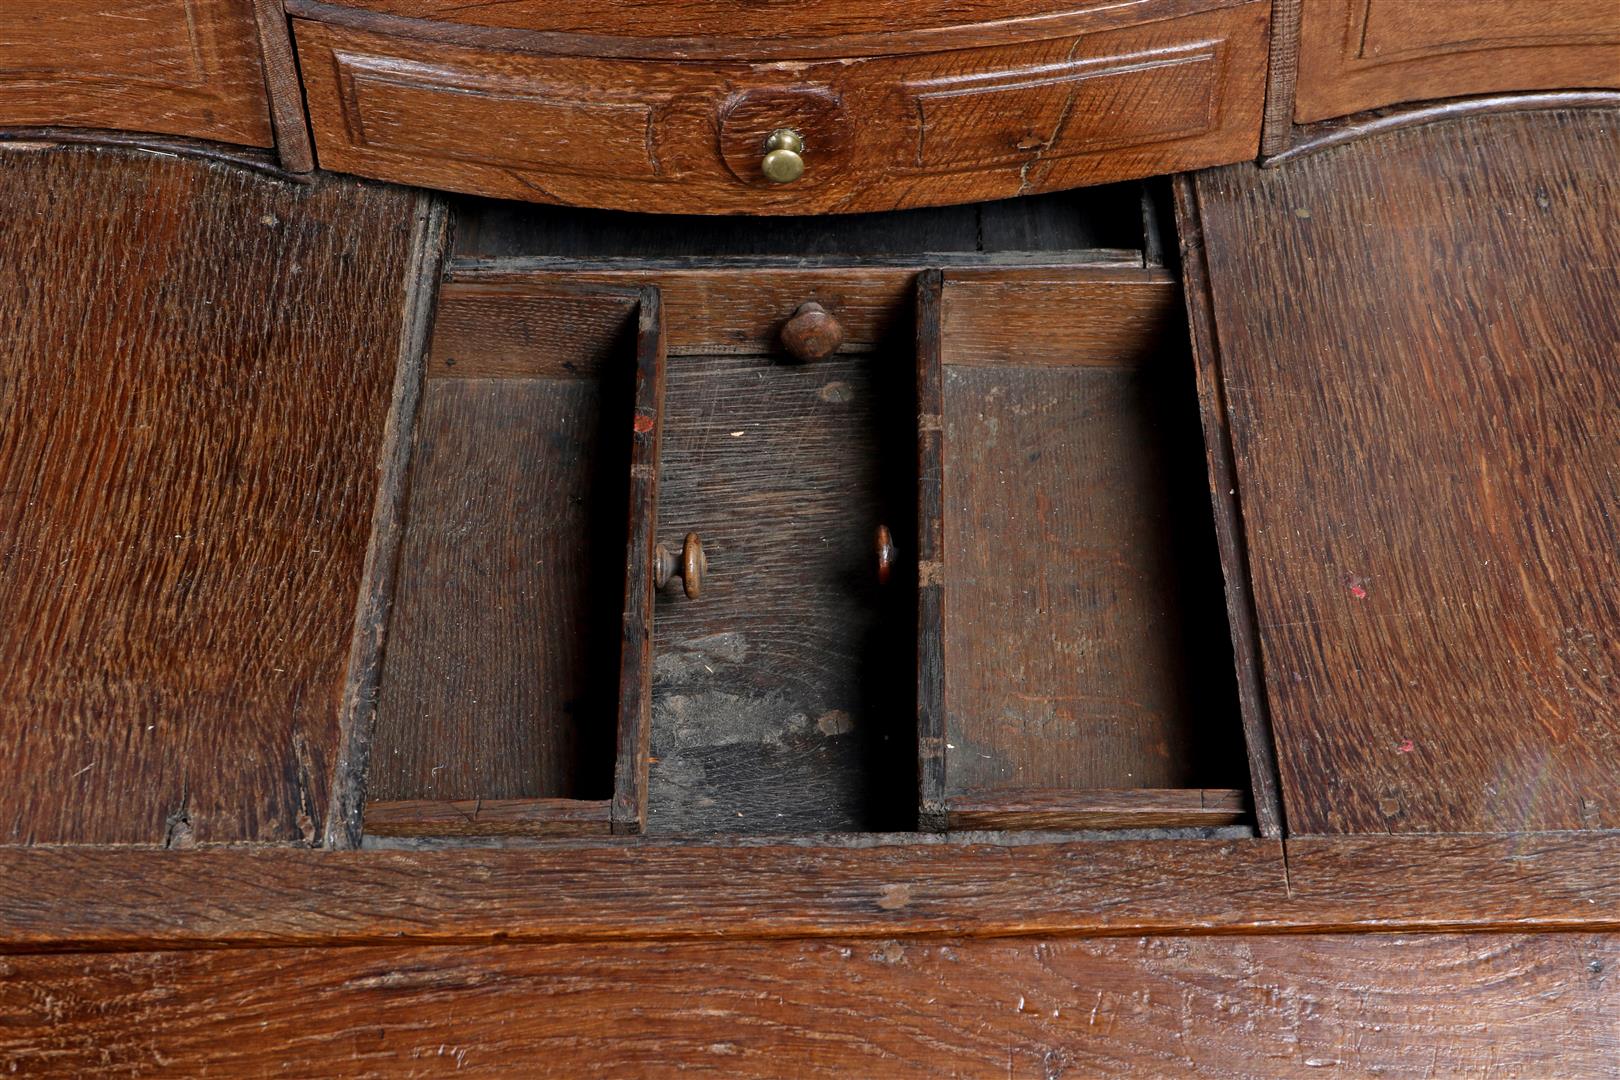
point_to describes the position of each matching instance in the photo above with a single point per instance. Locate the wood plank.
(885, 886)
(1082, 622)
(189, 438)
(1127, 808)
(284, 91)
(781, 697)
(930, 640)
(172, 67)
(1378, 1005)
(491, 817)
(1427, 460)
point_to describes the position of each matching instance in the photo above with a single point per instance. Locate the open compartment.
(1075, 666)
(514, 688)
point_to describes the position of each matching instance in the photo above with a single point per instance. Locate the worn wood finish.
(634, 732)
(715, 30)
(489, 817)
(500, 676)
(1282, 75)
(1077, 636)
(189, 433)
(1264, 783)
(352, 764)
(779, 697)
(1431, 502)
(895, 885)
(174, 67)
(930, 639)
(1068, 809)
(880, 133)
(1380, 1005)
(283, 90)
(1361, 54)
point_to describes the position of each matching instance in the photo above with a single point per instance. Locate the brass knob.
(784, 156)
(690, 566)
(885, 554)
(813, 333)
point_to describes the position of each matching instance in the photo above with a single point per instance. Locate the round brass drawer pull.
(813, 333)
(784, 156)
(690, 566)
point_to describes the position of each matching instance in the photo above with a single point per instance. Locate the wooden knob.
(812, 334)
(783, 162)
(690, 566)
(885, 554)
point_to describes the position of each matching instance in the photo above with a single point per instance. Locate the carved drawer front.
(823, 135)
(1362, 54)
(174, 67)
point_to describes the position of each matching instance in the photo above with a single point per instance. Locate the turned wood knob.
(813, 333)
(885, 554)
(783, 162)
(690, 566)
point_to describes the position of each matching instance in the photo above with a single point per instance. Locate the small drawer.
(872, 133)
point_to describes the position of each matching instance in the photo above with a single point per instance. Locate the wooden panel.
(189, 434)
(1427, 458)
(1079, 631)
(1359, 54)
(718, 30)
(110, 899)
(174, 67)
(780, 697)
(891, 131)
(1143, 808)
(500, 677)
(1379, 1005)
(489, 817)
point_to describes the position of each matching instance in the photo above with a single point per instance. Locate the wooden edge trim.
(1226, 506)
(284, 87)
(1053, 809)
(931, 810)
(357, 711)
(1088, 19)
(82, 898)
(1311, 138)
(635, 668)
(48, 139)
(489, 817)
(1282, 76)
(1106, 263)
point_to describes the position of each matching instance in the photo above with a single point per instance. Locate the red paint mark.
(1406, 746)
(1356, 584)
(1358, 592)
(644, 424)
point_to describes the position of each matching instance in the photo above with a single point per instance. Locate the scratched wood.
(174, 67)
(1373, 1005)
(189, 438)
(1428, 467)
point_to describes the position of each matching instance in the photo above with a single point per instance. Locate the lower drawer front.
(879, 133)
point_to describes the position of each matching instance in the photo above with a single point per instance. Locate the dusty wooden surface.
(891, 131)
(174, 67)
(1361, 54)
(186, 484)
(1426, 458)
(1370, 1005)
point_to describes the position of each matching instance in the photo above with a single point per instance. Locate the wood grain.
(1378, 1005)
(779, 697)
(189, 435)
(1068, 809)
(1361, 54)
(1077, 625)
(1431, 502)
(715, 30)
(500, 676)
(893, 131)
(173, 67)
(488, 817)
(283, 90)
(85, 898)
